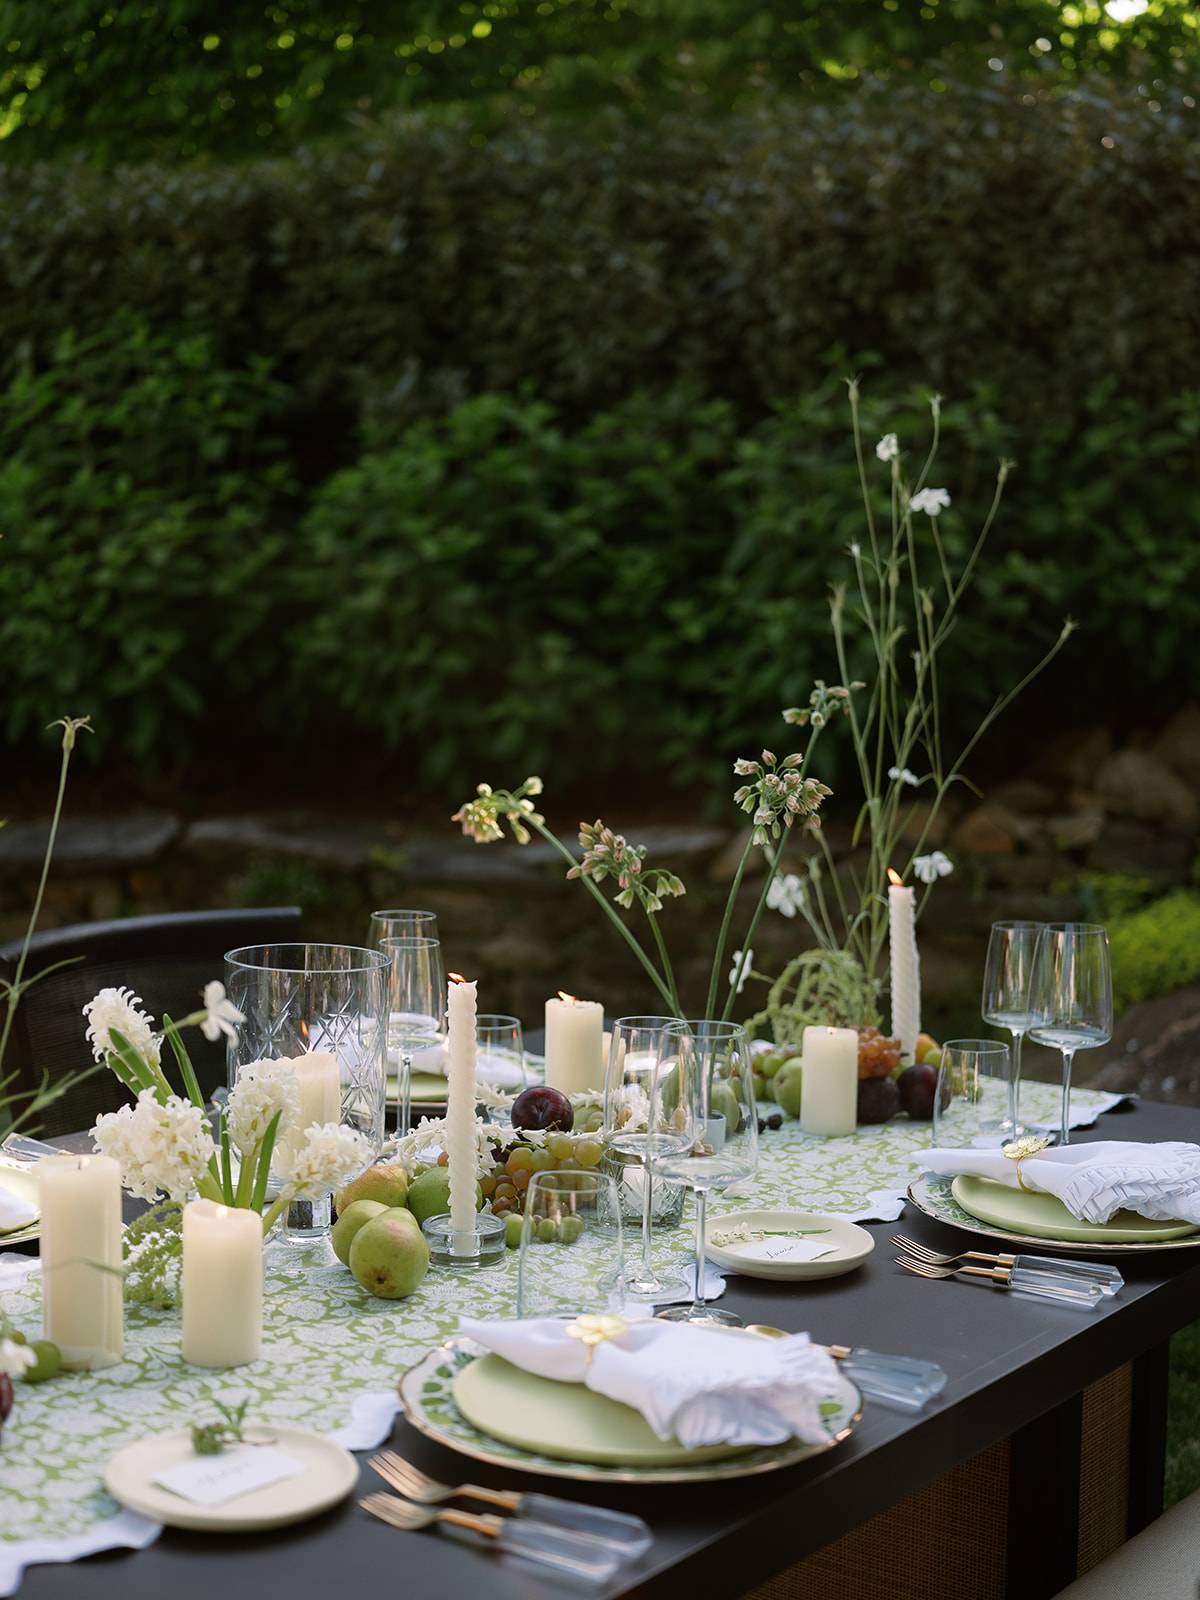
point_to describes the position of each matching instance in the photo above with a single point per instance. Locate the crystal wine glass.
(1005, 1001)
(402, 925)
(716, 1097)
(1070, 996)
(416, 1015)
(638, 1117)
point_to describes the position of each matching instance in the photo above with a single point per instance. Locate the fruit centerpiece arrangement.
(884, 1087)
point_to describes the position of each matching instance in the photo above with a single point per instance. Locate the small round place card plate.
(330, 1474)
(20, 1179)
(845, 1244)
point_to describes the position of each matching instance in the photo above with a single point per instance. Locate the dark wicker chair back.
(166, 960)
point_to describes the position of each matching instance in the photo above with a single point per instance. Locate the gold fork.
(931, 1269)
(629, 1533)
(936, 1258)
(567, 1551)
(427, 1491)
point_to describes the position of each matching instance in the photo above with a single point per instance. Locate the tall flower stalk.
(11, 991)
(897, 733)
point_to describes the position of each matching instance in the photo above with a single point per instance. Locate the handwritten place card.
(784, 1250)
(211, 1480)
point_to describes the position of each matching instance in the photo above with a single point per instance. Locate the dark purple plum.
(878, 1099)
(918, 1085)
(543, 1108)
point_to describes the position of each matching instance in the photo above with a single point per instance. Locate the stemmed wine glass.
(402, 925)
(1005, 1001)
(416, 1014)
(716, 1097)
(1070, 996)
(640, 1119)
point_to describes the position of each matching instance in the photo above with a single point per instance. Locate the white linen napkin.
(14, 1211)
(1161, 1181)
(696, 1384)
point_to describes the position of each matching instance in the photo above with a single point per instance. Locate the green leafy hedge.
(1156, 950)
(965, 237)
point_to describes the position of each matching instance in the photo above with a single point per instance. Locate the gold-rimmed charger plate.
(934, 1195)
(20, 1180)
(428, 1393)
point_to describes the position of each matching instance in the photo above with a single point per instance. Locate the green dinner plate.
(426, 1088)
(1045, 1217)
(566, 1419)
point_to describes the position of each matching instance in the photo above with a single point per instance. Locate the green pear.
(723, 1102)
(786, 1084)
(430, 1195)
(389, 1257)
(349, 1221)
(387, 1184)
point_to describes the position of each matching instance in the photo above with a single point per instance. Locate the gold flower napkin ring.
(594, 1329)
(1030, 1145)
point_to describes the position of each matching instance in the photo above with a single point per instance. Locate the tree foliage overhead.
(130, 79)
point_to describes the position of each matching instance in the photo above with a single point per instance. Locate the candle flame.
(894, 877)
(569, 999)
(456, 977)
(221, 1211)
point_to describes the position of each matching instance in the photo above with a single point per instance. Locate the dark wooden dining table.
(1046, 1449)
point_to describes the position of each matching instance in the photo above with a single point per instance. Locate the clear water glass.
(416, 1016)
(571, 1255)
(974, 1081)
(402, 925)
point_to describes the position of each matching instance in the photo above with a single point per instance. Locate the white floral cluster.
(330, 1155)
(159, 1147)
(118, 1008)
(262, 1089)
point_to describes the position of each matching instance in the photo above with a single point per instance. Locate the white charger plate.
(851, 1244)
(20, 1179)
(330, 1474)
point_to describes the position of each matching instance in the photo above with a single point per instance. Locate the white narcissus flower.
(903, 775)
(262, 1089)
(930, 868)
(330, 1155)
(221, 1014)
(165, 1147)
(888, 447)
(15, 1359)
(118, 1008)
(737, 962)
(786, 895)
(930, 500)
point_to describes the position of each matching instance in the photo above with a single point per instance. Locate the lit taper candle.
(906, 967)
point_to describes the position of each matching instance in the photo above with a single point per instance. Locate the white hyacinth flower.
(159, 1147)
(930, 500)
(786, 895)
(118, 1008)
(330, 1155)
(221, 1014)
(262, 1089)
(930, 868)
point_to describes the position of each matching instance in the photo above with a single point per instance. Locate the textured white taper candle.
(906, 969)
(460, 1110)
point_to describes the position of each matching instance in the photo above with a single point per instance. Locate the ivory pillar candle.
(463, 1158)
(906, 968)
(829, 1081)
(82, 1305)
(574, 1045)
(222, 1285)
(320, 1093)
